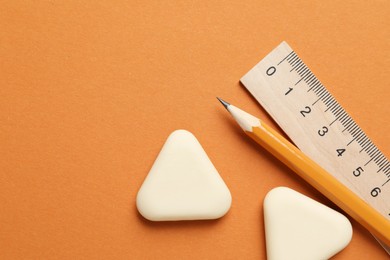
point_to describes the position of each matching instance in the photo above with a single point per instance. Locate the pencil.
(311, 172)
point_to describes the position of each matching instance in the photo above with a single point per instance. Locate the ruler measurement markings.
(292, 56)
(294, 66)
(368, 162)
(333, 122)
(365, 144)
(338, 112)
(291, 61)
(302, 68)
(292, 69)
(298, 82)
(351, 141)
(387, 167)
(382, 166)
(372, 149)
(343, 118)
(316, 101)
(321, 93)
(297, 67)
(354, 130)
(317, 87)
(355, 139)
(381, 161)
(329, 101)
(376, 155)
(387, 170)
(297, 63)
(357, 136)
(335, 107)
(304, 72)
(326, 96)
(351, 125)
(361, 137)
(292, 52)
(305, 75)
(313, 81)
(312, 84)
(369, 149)
(348, 124)
(309, 80)
(373, 153)
(363, 141)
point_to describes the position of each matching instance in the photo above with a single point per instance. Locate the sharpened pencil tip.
(223, 102)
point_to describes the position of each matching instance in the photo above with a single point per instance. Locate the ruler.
(319, 126)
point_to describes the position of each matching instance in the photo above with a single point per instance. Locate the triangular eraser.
(298, 227)
(183, 184)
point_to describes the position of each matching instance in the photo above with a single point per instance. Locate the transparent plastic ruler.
(319, 126)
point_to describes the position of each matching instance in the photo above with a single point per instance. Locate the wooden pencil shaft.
(322, 181)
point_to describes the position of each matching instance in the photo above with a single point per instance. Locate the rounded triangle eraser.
(298, 227)
(183, 184)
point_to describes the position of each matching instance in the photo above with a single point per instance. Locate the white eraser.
(183, 184)
(298, 227)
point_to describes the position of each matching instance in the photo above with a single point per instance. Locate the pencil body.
(311, 172)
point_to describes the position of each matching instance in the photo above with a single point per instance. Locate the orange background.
(90, 90)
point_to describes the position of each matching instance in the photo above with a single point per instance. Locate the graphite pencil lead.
(223, 102)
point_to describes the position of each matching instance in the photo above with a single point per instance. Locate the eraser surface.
(298, 227)
(183, 184)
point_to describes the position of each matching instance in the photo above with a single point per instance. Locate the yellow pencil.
(311, 172)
